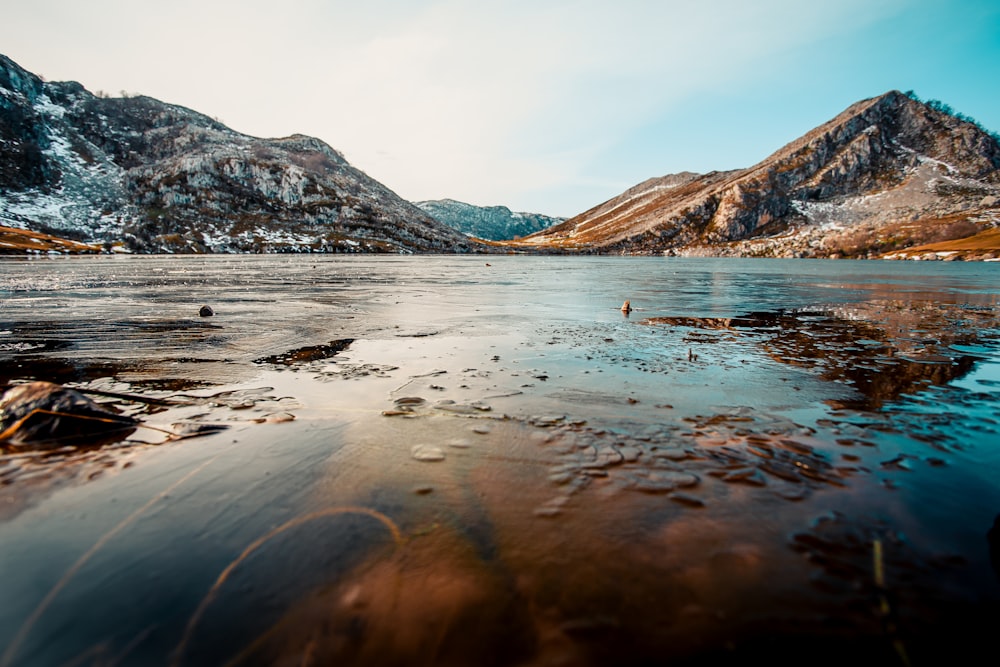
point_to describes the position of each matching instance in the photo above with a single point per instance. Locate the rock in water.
(627, 307)
(206, 311)
(43, 413)
(427, 453)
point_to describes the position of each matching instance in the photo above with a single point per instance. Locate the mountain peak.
(136, 173)
(846, 187)
(493, 223)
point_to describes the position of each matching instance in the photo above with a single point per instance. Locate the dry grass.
(19, 241)
(985, 240)
(982, 245)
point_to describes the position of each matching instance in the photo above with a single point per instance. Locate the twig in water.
(26, 627)
(261, 541)
(884, 608)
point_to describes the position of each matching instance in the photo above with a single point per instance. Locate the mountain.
(137, 174)
(494, 223)
(888, 174)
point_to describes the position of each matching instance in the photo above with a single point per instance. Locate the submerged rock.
(428, 453)
(40, 413)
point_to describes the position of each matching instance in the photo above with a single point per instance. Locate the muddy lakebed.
(375, 460)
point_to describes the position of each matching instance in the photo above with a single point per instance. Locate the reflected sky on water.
(431, 460)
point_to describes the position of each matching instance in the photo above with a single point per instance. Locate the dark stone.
(38, 414)
(206, 311)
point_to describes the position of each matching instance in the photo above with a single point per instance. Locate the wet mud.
(433, 477)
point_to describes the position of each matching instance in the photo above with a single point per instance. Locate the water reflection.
(428, 463)
(993, 538)
(883, 349)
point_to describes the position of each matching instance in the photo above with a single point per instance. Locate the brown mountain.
(134, 173)
(889, 173)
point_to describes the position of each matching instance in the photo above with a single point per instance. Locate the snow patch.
(925, 159)
(44, 105)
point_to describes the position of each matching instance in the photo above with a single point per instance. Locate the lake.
(455, 460)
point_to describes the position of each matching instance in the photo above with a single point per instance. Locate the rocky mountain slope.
(137, 174)
(494, 223)
(887, 174)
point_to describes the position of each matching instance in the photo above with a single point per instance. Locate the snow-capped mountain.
(887, 175)
(138, 174)
(493, 223)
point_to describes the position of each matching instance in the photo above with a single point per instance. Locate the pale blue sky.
(549, 106)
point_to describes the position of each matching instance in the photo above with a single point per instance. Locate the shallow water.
(444, 460)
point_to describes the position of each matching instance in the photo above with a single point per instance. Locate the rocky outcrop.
(137, 174)
(887, 173)
(494, 223)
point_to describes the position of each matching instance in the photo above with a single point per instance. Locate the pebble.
(78, 415)
(462, 408)
(410, 400)
(428, 453)
(547, 420)
(192, 429)
(751, 476)
(686, 499)
(206, 311)
(553, 507)
(793, 493)
(548, 512)
(606, 456)
(629, 453)
(561, 477)
(660, 481)
(671, 454)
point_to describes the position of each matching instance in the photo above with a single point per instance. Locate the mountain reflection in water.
(883, 351)
(431, 461)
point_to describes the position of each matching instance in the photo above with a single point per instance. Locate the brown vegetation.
(870, 241)
(984, 245)
(15, 241)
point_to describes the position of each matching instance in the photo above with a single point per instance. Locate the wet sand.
(410, 474)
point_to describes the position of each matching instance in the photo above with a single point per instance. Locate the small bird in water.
(627, 306)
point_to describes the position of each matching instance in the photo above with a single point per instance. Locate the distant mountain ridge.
(888, 174)
(141, 175)
(891, 176)
(494, 223)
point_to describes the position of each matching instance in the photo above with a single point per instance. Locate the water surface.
(448, 460)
